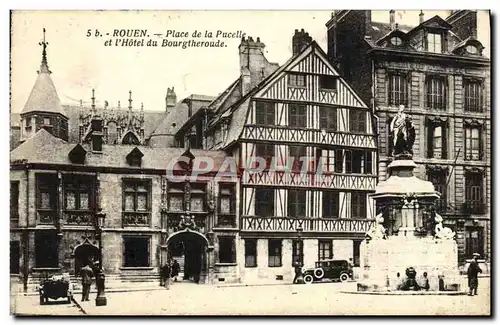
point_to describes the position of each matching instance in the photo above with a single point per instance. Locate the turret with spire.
(43, 108)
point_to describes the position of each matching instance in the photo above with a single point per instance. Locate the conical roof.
(43, 96)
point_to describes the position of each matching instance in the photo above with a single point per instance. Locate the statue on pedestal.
(403, 133)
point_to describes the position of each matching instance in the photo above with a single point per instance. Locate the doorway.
(85, 254)
(188, 248)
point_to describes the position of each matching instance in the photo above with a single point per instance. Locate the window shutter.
(430, 133)
(444, 135)
(481, 145)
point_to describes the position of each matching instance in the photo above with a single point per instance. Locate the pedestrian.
(86, 273)
(166, 274)
(472, 272)
(298, 271)
(176, 268)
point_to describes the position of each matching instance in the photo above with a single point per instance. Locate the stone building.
(316, 138)
(70, 161)
(438, 72)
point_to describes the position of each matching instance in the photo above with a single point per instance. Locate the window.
(357, 120)
(46, 121)
(176, 197)
(14, 200)
(296, 80)
(46, 249)
(328, 161)
(250, 252)
(297, 203)
(339, 160)
(198, 193)
(47, 192)
(473, 96)
(439, 178)
(274, 252)
(356, 243)
(297, 251)
(471, 49)
(436, 93)
(266, 151)
(227, 250)
(474, 241)
(77, 193)
(136, 195)
(325, 249)
(328, 118)
(227, 199)
(297, 152)
(358, 205)
(368, 160)
(15, 255)
(297, 115)
(434, 43)
(396, 41)
(264, 113)
(437, 140)
(473, 145)
(398, 89)
(474, 192)
(327, 82)
(354, 161)
(264, 202)
(330, 204)
(136, 251)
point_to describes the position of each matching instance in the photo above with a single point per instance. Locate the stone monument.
(407, 249)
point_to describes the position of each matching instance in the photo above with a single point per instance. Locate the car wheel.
(319, 273)
(42, 300)
(308, 279)
(344, 277)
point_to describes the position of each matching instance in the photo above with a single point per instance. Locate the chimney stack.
(170, 99)
(392, 18)
(300, 40)
(252, 62)
(421, 16)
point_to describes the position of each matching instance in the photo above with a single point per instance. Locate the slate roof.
(43, 147)
(43, 96)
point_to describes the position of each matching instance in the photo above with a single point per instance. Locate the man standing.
(166, 274)
(86, 273)
(298, 271)
(472, 272)
(176, 268)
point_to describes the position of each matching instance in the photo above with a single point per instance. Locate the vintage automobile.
(334, 270)
(55, 287)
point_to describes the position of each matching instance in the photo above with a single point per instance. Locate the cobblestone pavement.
(316, 299)
(22, 305)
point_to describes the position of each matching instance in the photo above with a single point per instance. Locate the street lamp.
(299, 230)
(101, 298)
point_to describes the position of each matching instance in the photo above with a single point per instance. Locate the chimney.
(170, 99)
(392, 19)
(300, 40)
(252, 62)
(421, 16)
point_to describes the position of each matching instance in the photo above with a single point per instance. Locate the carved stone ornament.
(187, 222)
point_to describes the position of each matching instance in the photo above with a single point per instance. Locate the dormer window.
(46, 121)
(471, 49)
(396, 41)
(77, 154)
(434, 43)
(134, 158)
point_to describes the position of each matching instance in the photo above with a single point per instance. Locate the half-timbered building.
(313, 138)
(438, 71)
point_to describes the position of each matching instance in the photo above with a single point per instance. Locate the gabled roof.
(43, 96)
(435, 21)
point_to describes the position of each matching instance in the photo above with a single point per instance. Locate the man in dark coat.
(472, 273)
(165, 274)
(176, 268)
(298, 271)
(86, 273)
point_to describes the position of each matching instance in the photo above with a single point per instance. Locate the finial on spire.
(130, 99)
(119, 105)
(44, 67)
(93, 101)
(142, 106)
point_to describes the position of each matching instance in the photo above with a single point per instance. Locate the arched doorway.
(189, 249)
(85, 253)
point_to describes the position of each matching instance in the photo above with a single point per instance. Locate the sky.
(80, 63)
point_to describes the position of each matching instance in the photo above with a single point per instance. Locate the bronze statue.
(402, 133)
